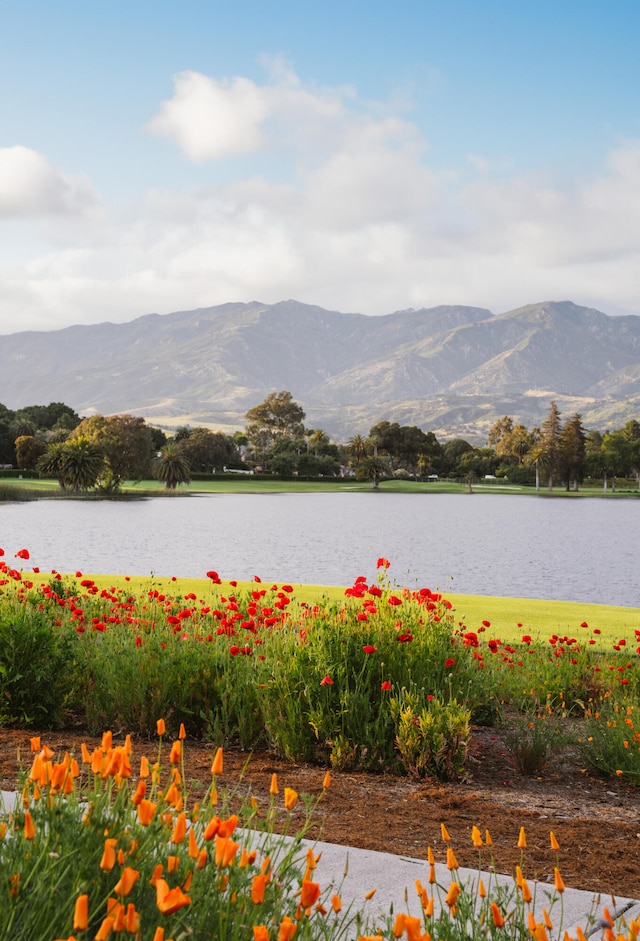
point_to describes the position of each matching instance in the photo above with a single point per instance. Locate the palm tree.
(171, 467)
(372, 468)
(51, 464)
(356, 449)
(81, 464)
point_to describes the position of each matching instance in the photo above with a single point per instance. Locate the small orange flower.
(290, 798)
(29, 828)
(370, 894)
(309, 893)
(452, 862)
(557, 880)
(182, 734)
(257, 888)
(105, 928)
(273, 789)
(336, 903)
(176, 752)
(108, 860)
(326, 781)
(126, 881)
(146, 812)
(81, 913)
(496, 914)
(287, 929)
(160, 727)
(216, 767)
(180, 829)
(554, 843)
(260, 933)
(445, 834)
(476, 838)
(452, 894)
(522, 839)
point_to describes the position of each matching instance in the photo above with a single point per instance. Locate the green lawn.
(247, 484)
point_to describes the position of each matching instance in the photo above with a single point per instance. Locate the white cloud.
(359, 221)
(211, 119)
(32, 186)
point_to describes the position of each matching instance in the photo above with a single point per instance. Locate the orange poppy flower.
(216, 767)
(309, 893)
(81, 913)
(290, 798)
(257, 888)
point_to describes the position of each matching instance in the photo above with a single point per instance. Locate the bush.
(36, 669)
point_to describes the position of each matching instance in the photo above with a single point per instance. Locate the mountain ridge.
(448, 369)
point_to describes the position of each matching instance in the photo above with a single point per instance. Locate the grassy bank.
(249, 484)
(509, 618)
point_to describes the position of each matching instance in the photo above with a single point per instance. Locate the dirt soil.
(596, 821)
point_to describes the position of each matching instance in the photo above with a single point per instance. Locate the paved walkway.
(394, 879)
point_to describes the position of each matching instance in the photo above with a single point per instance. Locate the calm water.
(522, 546)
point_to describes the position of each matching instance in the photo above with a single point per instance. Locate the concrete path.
(394, 879)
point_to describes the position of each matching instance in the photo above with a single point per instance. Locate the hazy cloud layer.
(359, 221)
(31, 185)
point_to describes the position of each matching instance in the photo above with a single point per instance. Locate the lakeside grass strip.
(538, 618)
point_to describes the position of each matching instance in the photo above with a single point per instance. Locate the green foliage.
(611, 742)
(171, 467)
(432, 735)
(36, 669)
(530, 739)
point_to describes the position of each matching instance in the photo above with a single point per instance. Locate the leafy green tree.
(171, 467)
(208, 451)
(29, 450)
(158, 437)
(452, 452)
(550, 442)
(510, 442)
(278, 417)
(573, 451)
(126, 444)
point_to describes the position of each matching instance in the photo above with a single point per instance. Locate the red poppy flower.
(369, 649)
(214, 577)
(394, 600)
(326, 681)
(449, 662)
(382, 563)
(1, 551)
(486, 623)
(234, 651)
(22, 554)
(584, 624)
(386, 685)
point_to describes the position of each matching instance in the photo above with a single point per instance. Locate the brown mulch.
(596, 821)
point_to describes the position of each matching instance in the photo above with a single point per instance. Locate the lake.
(491, 544)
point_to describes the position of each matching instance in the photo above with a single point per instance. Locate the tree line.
(100, 452)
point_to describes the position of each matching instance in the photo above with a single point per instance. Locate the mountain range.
(451, 370)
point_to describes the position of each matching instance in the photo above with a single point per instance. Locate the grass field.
(247, 484)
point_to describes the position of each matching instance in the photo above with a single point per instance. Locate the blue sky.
(360, 156)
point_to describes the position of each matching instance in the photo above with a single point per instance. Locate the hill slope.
(452, 370)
